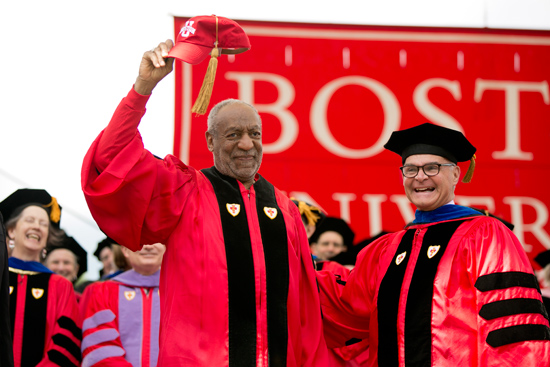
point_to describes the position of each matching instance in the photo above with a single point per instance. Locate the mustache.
(245, 154)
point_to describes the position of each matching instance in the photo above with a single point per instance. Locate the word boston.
(330, 96)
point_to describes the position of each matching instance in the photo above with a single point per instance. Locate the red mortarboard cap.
(197, 38)
(203, 35)
(22, 198)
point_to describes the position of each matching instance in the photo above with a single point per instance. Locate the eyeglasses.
(430, 169)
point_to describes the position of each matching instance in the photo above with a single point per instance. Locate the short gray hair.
(212, 124)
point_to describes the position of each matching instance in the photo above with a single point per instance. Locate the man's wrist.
(144, 87)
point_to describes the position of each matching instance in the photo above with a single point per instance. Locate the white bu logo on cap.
(187, 28)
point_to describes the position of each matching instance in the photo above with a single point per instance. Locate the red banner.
(330, 96)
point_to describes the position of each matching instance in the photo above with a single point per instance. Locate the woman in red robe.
(43, 308)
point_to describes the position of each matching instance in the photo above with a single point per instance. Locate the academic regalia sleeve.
(351, 351)
(314, 351)
(348, 305)
(512, 323)
(62, 347)
(134, 197)
(101, 344)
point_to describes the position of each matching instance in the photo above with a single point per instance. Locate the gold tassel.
(55, 213)
(470, 172)
(309, 212)
(201, 104)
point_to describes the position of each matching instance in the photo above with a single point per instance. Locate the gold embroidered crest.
(432, 251)
(129, 295)
(233, 209)
(11, 289)
(270, 212)
(399, 259)
(37, 292)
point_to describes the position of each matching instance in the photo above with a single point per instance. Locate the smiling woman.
(41, 302)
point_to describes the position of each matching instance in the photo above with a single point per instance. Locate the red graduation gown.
(353, 355)
(218, 296)
(120, 321)
(443, 296)
(44, 315)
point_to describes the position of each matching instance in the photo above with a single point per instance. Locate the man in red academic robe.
(454, 288)
(237, 284)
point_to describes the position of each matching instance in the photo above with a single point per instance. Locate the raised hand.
(154, 67)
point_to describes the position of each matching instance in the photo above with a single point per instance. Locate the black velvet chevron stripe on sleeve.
(66, 343)
(511, 307)
(60, 359)
(517, 333)
(493, 310)
(491, 282)
(69, 324)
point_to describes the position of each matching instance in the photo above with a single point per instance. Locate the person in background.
(311, 215)
(349, 356)
(543, 259)
(6, 346)
(68, 260)
(126, 309)
(238, 284)
(104, 253)
(120, 260)
(454, 288)
(43, 307)
(331, 241)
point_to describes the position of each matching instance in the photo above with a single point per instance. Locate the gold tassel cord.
(55, 212)
(203, 100)
(309, 212)
(470, 172)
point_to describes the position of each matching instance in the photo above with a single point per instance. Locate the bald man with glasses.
(454, 288)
